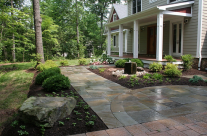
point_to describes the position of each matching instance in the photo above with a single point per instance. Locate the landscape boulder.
(46, 110)
(140, 69)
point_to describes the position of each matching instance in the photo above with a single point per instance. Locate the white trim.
(199, 32)
(136, 32)
(159, 47)
(177, 13)
(120, 40)
(109, 41)
(182, 36)
(126, 40)
(174, 5)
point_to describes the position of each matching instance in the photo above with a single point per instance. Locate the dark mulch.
(75, 125)
(150, 82)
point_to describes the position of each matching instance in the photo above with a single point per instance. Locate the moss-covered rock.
(46, 110)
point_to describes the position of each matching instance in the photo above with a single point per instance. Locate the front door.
(177, 39)
(151, 39)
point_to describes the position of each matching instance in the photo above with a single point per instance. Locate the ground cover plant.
(151, 78)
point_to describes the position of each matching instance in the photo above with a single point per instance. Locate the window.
(136, 6)
(114, 40)
(114, 17)
(174, 1)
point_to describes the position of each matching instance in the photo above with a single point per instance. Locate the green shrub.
(138, 61)
(122, 77)
(127, 59)
(157, 76)
(56, 83)
(172, 70)
(195, 79)
(101, 70)
(45, 74)
(120, 63)
(82, 61)
(64, 63)
(48, 64)
(155, 66)
(169, 58)
(187, 61)
(95, 67)
(146, 77)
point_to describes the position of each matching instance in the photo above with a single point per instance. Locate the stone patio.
(154, 111)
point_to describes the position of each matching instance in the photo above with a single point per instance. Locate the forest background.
(72, 27)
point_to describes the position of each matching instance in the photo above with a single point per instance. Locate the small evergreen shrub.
(48, 64)
(195, 79)
(56, 83)
(64, 63)
(155, 66)
(46, 74)
(172, 70)
(82, 61)
(187, 61)
(157, 76)
(138, 61)
(169, 58)
(120, 63)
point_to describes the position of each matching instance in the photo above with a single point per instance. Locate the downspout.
(200, 15)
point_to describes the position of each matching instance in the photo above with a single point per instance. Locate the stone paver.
(154, 111)
(118, 132)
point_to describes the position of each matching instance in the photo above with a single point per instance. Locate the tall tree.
(13, 38)
(38, 31)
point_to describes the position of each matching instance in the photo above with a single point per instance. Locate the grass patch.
(14, 86)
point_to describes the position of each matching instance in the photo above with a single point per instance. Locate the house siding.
(204, 31)
(190, 32)
(116, 48)
(146, 5)
(129, 7)
(143, 39)
(130, 42)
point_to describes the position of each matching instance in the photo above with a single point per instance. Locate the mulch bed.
(149, 82)
(75, 125)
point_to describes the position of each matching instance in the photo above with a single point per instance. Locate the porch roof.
(152, 12)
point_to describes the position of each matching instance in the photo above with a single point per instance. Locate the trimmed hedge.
(45, 74)
(120, 63)
(139, 62)
(56, 83)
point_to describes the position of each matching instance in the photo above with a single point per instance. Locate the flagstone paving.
(155, 111)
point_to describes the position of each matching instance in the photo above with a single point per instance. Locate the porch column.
(120, 40)
(159, 36)
(136, 31)
(109, 42)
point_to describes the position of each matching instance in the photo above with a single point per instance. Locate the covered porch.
(147, 31)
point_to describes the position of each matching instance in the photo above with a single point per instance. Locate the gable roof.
(121, 10)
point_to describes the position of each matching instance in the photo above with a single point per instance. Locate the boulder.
(46, 110)
(111, 69)
(140, 69)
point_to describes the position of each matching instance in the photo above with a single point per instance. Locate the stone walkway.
(156, 111)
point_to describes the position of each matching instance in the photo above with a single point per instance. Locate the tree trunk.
(13, 38)
(38, 30)
(5, 52)
(77, 26)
